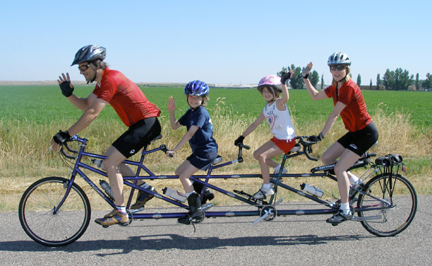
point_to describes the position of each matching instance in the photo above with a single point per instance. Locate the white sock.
(121, 209)
(266, 186)
(277, 168)
(344, 207)
(188, 194)
(352, 178)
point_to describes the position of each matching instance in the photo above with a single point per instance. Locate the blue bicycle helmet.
(197, 88)
(89, 53)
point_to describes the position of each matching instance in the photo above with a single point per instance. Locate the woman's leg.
(347, 159)
(332, 153)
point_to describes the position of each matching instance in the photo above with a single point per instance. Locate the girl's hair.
(345, 80)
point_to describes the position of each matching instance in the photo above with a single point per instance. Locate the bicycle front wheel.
(46, 226)
(392, 218)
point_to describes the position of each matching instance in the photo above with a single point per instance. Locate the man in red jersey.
(362, 133)
(133, 108)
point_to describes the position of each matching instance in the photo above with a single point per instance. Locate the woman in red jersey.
(362, 132)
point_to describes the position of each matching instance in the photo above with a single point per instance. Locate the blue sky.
(214, 41)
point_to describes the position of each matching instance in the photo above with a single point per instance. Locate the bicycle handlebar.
(307, 146)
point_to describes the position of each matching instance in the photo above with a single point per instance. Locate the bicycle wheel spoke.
(392, 219)
(37, 215)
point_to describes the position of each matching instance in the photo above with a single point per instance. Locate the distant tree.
(378, 82)
(314, 78)
(296, 79)
(417, 85)
(397, 80)
(427, 84)
(322, 81)
(370, 85)
(359, 80)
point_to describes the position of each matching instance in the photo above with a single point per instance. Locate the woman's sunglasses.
(337, 67)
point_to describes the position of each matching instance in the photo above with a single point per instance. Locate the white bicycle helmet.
(339, 58)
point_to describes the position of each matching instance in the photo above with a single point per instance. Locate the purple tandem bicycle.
(55, 211)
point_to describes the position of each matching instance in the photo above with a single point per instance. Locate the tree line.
(398, 79)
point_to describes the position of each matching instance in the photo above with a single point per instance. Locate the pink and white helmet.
(271, 81)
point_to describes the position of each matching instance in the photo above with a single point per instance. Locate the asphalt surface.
(291, 240)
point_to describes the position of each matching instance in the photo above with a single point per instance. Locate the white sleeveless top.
(279, 121)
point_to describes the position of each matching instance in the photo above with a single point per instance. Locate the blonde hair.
(346, 79)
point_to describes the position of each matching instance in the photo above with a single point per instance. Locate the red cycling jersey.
(354, 115)
(125, 97)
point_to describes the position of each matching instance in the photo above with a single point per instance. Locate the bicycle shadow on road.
(174, 241)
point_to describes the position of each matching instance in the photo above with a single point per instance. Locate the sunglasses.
(83, 67)
(337, 67)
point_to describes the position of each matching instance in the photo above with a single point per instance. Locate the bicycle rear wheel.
(393, 219)
(37, 217)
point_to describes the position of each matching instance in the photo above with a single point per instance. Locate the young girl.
(277, 115)
(200, 136)
(362, 133)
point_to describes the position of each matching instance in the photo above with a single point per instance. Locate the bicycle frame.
(131, 182)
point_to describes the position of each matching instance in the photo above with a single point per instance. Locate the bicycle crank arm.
(206, 207)
(262, 217)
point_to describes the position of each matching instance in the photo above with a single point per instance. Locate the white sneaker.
(284, 171)
(261, 194)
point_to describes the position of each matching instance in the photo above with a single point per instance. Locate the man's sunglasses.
(338, 67)
(83, 67)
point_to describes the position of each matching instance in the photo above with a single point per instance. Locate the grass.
(30, 116)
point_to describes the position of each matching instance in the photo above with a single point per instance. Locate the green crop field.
(45, 104)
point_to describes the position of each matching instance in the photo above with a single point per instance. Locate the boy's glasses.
(337, 67)
(83, 67)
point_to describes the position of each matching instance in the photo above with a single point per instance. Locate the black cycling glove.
(66, 89)
(285, 77)
(316, 138)
(239, 140)
(61, 137)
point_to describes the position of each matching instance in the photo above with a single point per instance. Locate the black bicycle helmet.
(339, 59)
(89, 53)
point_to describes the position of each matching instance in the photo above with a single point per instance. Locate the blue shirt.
(202, 142)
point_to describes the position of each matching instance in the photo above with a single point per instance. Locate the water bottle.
(174, 194)
(107, 188)
(312, 190)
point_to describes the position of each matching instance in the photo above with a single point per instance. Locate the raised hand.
(65, 85)
(171, 104)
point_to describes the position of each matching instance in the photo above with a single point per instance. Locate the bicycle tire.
(37, 217)
(398, 216)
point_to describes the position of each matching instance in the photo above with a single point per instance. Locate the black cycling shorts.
(137, 136)
(360, 141)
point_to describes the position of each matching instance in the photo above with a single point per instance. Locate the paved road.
(299, 240)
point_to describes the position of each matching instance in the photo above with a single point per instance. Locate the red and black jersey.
(125, 97)
(354, 115)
